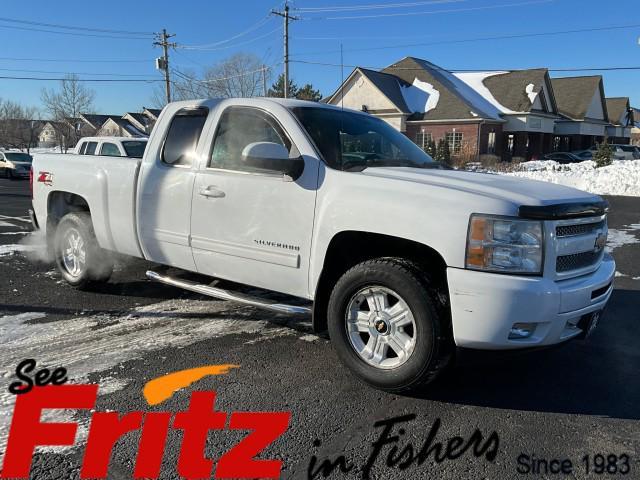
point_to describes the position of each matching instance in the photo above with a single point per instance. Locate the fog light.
(521, 330)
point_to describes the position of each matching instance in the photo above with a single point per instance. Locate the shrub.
(603, 155)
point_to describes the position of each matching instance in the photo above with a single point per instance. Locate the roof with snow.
(574, 95)
(618, 110)
(390, 85)
(472, 95)
(154, 112)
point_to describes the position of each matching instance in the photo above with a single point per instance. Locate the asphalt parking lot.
(582, 398)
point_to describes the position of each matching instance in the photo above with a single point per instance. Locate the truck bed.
(107, 184)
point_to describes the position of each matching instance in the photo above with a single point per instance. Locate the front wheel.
(79, 258)
(386, 325)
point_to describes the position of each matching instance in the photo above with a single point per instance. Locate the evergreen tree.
(443, 154)
(431, 148)
(307, 92)
(603, 154)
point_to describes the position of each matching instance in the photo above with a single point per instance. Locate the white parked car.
(111, 146)
(15, 164)
(404, 260)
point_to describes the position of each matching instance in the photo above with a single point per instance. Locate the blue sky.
(436, 25)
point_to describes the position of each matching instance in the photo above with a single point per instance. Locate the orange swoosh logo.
(162, 388)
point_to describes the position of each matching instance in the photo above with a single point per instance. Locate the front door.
(251, 225)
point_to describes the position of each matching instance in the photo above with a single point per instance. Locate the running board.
(228, 295)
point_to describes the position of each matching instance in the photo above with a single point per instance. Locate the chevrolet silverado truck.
(403, 260)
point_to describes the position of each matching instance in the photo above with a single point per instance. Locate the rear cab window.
(110, 150)
(182, 137)
(91, 148)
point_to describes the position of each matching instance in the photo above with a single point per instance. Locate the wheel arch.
(59, 203)
(348, 248)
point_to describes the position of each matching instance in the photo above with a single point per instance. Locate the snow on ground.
(420, 97)
(622, 177)
(95, 343)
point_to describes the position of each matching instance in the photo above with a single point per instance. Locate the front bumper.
(484, 306)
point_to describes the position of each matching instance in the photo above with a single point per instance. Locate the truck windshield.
(134, 149)
(354, 141)
(18, 157)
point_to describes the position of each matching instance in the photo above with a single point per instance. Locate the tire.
(74, 242)
(10, 174)
(421, 335)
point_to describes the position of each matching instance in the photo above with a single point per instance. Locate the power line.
(432, 12)
(57, 60)
(206, 49)
(458, 70)
(254, 27)
(124, 80)
(75, 34)
(72, 27)
(372, 7)
(480, 39)
(207, 81)
(76, 73)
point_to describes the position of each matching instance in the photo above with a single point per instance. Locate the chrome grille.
(576, 261)
(577, 229)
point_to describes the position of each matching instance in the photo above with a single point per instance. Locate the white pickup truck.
(403, 259)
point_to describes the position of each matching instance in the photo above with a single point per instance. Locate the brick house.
(503, 114)
(583, 109)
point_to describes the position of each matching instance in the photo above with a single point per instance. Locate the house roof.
(154, 112)
(517, 90)
(140, 120)
(618, 110)
(574, 95)
(96, 120)
(127, 126)
(457, 100)
(390, 86)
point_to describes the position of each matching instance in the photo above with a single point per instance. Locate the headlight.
(503, 244)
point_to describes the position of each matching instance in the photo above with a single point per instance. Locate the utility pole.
(287, 18)
(162, 63)
(264, 80)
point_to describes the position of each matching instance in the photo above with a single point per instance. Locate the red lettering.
(27, 431)
(239, 462)
(105, 430)
(196, 423)
(152, 443)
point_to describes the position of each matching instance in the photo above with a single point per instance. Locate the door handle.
(212, 192)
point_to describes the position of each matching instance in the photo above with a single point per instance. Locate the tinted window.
(238, 127)
(82, 148)
(91, 148)
(134, 149)
(182, 137)
(19, 157)
(354, 141)
(110, 150)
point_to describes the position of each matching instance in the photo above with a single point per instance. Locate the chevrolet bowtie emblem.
(601, 242)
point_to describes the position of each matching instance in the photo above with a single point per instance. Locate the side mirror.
(272, 156)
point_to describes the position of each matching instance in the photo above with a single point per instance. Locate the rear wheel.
(387, 327)
(78, 255)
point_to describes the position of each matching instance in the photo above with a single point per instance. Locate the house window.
(491, 143)
(510, 142)
(454, 139)
(423, 139)
(556, 143)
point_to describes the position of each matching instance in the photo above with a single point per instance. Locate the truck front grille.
(576, 261)
(578, 229)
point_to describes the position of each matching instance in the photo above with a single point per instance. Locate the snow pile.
(420, 97)
(529, 90)
(622, 177)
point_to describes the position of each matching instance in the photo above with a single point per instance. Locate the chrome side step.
(228, 295)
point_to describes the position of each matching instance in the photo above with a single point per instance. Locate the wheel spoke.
(377, 301)
(361, 321)
(375, 349)
(399, 315)
(398, 347)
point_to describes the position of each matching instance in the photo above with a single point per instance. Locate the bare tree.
(240, 75)
(19, 126)
(65, 106)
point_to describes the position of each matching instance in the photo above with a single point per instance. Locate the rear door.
(250, 225)
(165, 189)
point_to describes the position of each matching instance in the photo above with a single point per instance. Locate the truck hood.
(519, 191)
